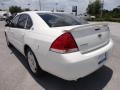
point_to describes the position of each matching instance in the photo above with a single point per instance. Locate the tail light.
(64, 44)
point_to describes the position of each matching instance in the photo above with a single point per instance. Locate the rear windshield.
(58, 20)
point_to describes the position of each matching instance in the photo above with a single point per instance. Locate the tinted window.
(29, 23)
(57, 20)
(22, 21)
(15, 20)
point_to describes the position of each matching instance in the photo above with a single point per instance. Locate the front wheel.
(33, 64)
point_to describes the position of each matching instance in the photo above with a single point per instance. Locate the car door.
(19, 32)
(11, 28)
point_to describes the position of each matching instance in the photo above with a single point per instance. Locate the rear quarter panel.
(40, 44)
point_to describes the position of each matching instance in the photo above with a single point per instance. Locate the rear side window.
(22, 21)
(57, 19)
(29, 23)
(15, 20)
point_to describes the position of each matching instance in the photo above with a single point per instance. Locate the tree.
(118, 6)
(26, 9)
(116, 12)
(94, 8)
(15, 9)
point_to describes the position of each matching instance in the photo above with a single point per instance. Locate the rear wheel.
(33, 64)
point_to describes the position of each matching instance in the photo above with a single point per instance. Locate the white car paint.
(69, 66)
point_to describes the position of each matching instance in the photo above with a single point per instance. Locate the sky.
(61, 4)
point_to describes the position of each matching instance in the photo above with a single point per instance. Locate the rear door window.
(22, 21)
(15, 20)
(29, 23)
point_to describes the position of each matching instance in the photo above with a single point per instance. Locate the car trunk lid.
(89, 37)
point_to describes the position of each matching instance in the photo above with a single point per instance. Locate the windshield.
(58, 20)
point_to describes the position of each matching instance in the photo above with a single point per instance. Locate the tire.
(33, 64)
(7, 41)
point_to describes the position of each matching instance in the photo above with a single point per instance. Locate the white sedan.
(59, 43)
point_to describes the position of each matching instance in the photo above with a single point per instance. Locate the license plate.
(102, 58)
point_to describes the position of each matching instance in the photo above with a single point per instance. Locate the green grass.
(107, 19)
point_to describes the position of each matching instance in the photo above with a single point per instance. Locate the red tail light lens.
(64, 44)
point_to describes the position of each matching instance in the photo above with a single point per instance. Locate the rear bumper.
(73, 66)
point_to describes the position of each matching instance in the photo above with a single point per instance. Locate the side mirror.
(9, 23)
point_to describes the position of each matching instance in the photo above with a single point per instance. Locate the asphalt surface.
(15, 74)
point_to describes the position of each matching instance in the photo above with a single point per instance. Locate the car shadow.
(96, 81)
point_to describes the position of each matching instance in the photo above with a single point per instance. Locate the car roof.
(35, 12)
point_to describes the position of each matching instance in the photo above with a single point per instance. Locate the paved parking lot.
(15, 74)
